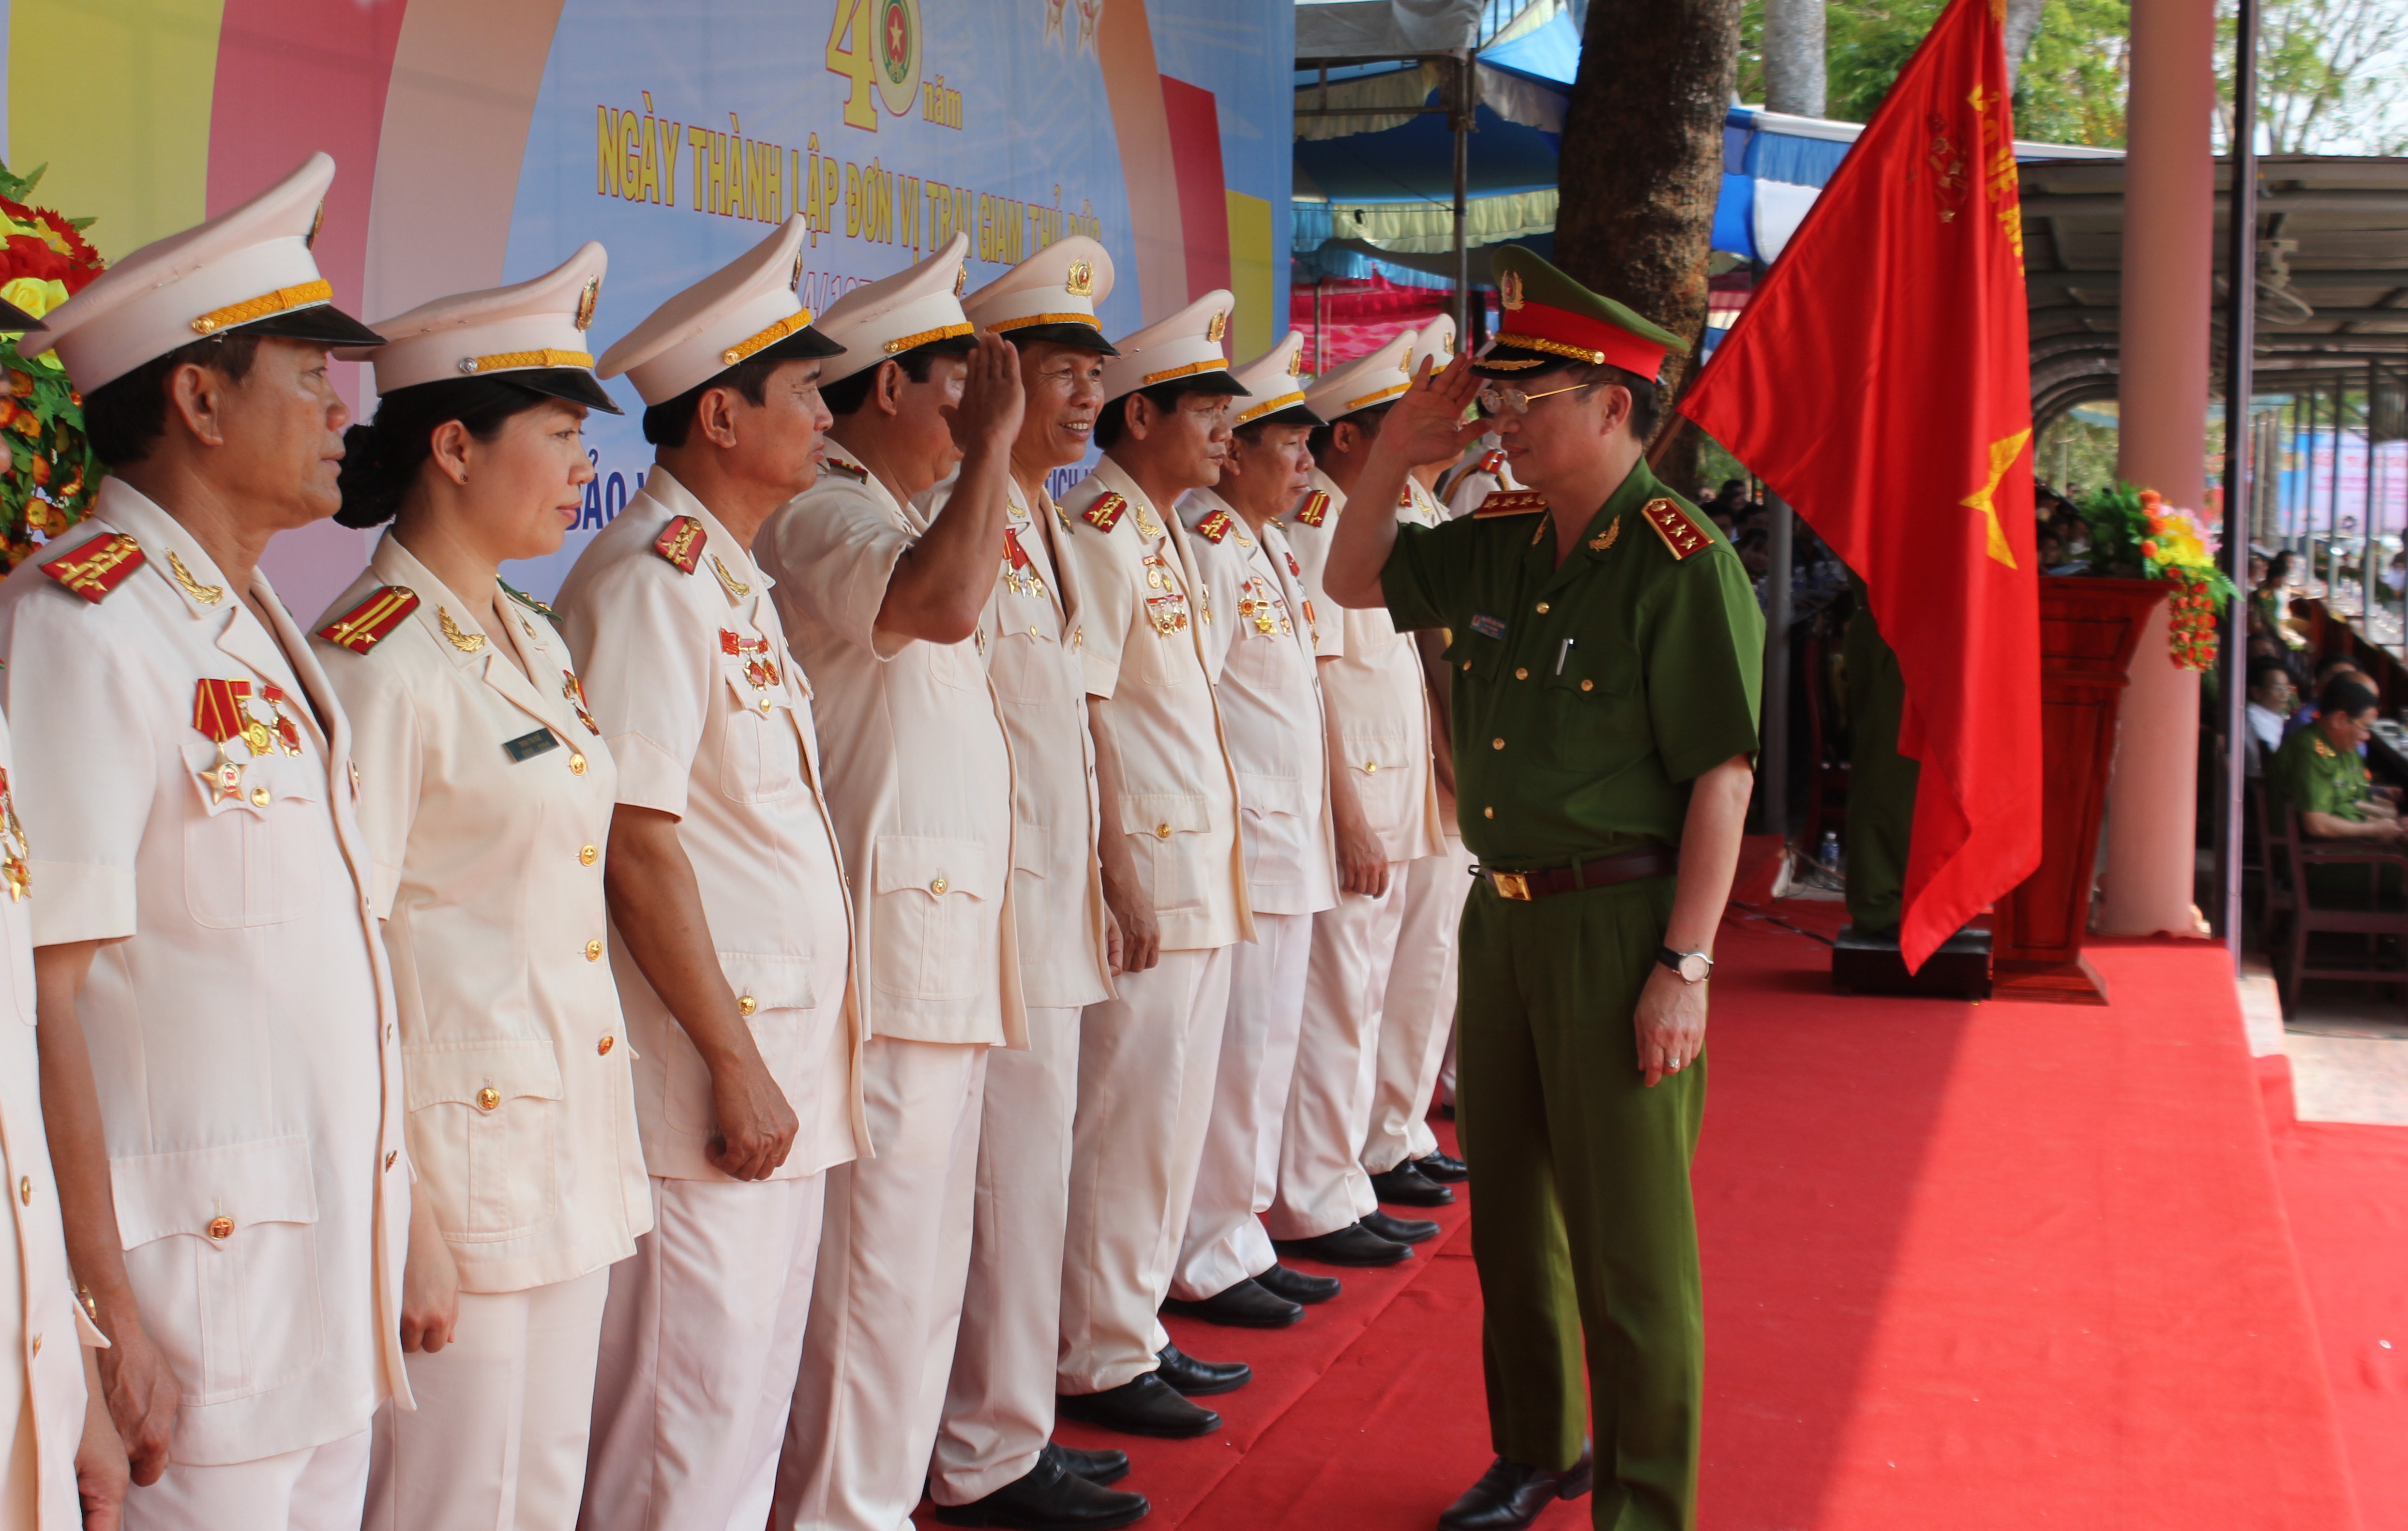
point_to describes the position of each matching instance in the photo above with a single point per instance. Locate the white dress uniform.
(1372, 682)
(1264, 664)
(42, 1327)
(188, 769)
(486, 796)
(922, 796)
(1148, 1055)
(999, 1410)
(1463, 488)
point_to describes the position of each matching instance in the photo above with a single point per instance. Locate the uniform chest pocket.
(958, 667)
(255, 852)
(221, 1249)
(1031, 667)
(1165, 833)
(760, 754)
(1595, 715)
(484, 1124)
(930, 926)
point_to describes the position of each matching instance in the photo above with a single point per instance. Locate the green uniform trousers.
(1881, 781)
(1585, 1236)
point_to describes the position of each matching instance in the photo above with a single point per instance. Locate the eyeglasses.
(1494, 400)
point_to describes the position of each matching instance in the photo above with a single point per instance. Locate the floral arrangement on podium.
(52, 474)
(2135, 534)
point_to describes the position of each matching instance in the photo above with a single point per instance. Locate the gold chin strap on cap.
(902, 343)
(1268, 404)
(800, 319)
(1369, 399)
(283, 300)
(1188, 371)
(511, 360)
(1553, 348)
(1002, 326)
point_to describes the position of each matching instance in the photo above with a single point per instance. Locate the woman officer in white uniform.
(486, 792)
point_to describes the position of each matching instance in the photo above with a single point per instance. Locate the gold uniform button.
(37, 1345)
(259, 795)
(1032, 631)
(1542, 609)
(489, 1098)
(1521, 675)
(765, 704)
(602, 1048)
(593, 951)
(1466, 663)
(746, 1005)
(26, 1189)
(576, 765)
(1370, 766)
(1588, 685)
(939, 887)
(1162, 831)
(1488, 812)
(220, 1228)
(1498, 744)
(586, 855)
(391, 1154)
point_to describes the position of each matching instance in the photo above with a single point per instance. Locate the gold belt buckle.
(1511, 885)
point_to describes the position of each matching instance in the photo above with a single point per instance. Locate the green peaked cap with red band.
(1548, 320)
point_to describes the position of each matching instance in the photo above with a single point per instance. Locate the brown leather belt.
(1628, 866)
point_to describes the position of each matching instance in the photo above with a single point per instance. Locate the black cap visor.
(1062, 335)
(1211, 382)
(573, 384)
(14, 318)
(321, 324)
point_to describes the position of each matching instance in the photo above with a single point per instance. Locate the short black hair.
(2260, 669)
(2281, 565)
(2343, 694)
(846, 395)
(668, 423)
(1365, 421)
(125, 417)
(1113, 423)
(381, 457)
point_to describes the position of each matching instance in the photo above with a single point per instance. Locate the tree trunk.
(1796, 79)
(1641, 164)
(2023, 19)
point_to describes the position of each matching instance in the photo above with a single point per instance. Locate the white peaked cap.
(1185, 348)
(1366, 382)
(1053, 293)
(532, 333)
(738, 311)
(249, 269)
(918, 305)
(1434, 342)
(1274, 390)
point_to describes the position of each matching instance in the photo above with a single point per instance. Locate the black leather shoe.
(1406, 1187)
(1509, 1496)
(1443, 1167)
(1200, 1379)
(1352, 1245)
(1244, 1305)
(1101, 1468)
(1143, 1406)
(1048, 1497)
(1400, 1230)
(1295, 1286)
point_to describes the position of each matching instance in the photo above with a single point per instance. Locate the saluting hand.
(1427, 424)
(992, 397)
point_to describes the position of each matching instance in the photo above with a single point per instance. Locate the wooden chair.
(2277, 896)
(2373, 921)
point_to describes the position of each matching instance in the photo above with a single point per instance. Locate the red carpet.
(1967, 1267)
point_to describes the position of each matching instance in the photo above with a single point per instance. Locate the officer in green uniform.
(1881, 781)
(1605, 660)
(2318, 773)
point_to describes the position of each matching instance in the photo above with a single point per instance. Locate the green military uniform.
(2312, 776)
(1881, 781)
(1586, 698)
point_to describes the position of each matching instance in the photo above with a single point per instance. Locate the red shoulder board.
(682, 544)
(1511, 502)
(1106, 512)
(1315, 509)
(1212, 528)
(368, 624)
(96, 568)
(1493, 462)
(1674, 525)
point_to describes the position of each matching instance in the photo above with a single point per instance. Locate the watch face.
(1695, 968)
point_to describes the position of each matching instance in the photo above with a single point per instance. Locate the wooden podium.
(2088, 632)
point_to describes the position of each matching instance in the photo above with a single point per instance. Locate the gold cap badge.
(1082, 279)
(586, 300)
(1219, 327)
(961, 279)
(1509, 289)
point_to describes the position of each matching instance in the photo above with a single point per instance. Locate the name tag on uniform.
(1486, 625)
(527, 746)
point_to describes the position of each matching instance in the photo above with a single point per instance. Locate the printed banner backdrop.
(479, 142)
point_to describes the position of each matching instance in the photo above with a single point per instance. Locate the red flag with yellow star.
(1880, 381)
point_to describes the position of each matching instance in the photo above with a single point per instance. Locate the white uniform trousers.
(998, 1410)
(1147, 1059)
(1418, 1016)
(497, 1440)
(1224, 1243)
(893, 1260)
(317, 1488)
(700, 1340)
(1322, 1187)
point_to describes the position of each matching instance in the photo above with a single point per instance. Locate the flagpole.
(2240, 382)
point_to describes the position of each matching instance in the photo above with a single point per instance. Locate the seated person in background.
(2270, 696)
(1755, 553)
(2318, 771)
(2328, 671)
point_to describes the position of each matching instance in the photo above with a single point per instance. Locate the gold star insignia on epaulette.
(1605, 539)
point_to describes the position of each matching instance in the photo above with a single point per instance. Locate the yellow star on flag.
(2002, 457)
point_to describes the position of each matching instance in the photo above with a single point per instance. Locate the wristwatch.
(1693, 966)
